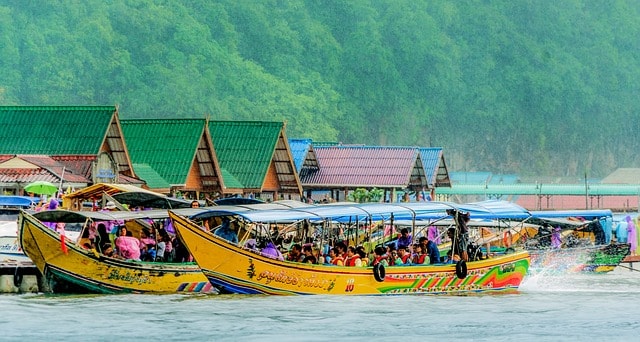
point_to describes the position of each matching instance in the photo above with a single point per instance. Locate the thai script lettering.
(128, 277)
(285, 278)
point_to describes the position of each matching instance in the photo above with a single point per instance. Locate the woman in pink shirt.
(128, 246)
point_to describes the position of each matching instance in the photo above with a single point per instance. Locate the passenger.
(404, 239)
(556, 238)
(461, 232)
(352, 258)
(195, 204)
(421, 257)
(128, 246)
(456, 243)
(295, 254)
(103, 237)
(380, 256)
(308, 257)
(271, 251)
(431, 249)
(631, 235)
(404, 257)
(363, 255)
(336, 258)
(225, 231)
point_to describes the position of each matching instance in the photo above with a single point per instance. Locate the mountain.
(534, 87)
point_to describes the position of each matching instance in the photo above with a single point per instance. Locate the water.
(570, 307)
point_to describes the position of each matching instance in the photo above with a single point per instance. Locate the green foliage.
(362, 195)
(518, 86)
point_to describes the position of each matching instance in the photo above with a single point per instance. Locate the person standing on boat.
(632, 235)
(461, 233)
(556, 238)
(621, 232)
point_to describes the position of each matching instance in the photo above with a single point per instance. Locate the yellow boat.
(232, 268)
(61, 260)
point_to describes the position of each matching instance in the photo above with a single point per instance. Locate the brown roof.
(623, 176)
(366, 166)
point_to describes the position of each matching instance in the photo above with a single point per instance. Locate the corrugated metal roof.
(54, 130)
(304, 156)
(246, 149)
(623, 176)
(168, 146)
(366, 166)
(150, 176)
(542, 189)
(435, 167)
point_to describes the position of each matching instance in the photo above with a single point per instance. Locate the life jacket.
(351, 261)
(405, 257)
(419, 259)
(336, 259)
(378, 259)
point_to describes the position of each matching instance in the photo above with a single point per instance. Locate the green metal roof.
(168, 146)
(150, 176)
(230, 182)
(245, 149)
(542, 189)
(54, 130)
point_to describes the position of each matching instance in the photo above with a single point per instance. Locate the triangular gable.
(435, 167)
(24, 169)
(366, 166)
(304, 156)
(17, 163)
(115, 145)
(246, 150)
(172, 147)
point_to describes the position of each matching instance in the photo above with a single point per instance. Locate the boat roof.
(17, 201)
(68, 216)
(352, 212)
(591, 214)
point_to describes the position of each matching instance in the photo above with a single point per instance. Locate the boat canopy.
(586, 214)
(69, 216)
(353, 212)
(18, 201)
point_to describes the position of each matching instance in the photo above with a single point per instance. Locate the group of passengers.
(119, 242)
(402, 252)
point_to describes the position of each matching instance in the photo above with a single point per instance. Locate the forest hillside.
(532, 87)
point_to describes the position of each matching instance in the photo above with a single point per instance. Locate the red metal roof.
(365, 166)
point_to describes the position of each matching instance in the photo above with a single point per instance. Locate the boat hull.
(99, 274)
(232, 269)
(588, 259)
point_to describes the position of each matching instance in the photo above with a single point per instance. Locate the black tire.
(461, 269)
(17, 277)
(379, 272)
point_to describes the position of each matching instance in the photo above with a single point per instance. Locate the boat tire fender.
(17, 277)
(461, 269)
(379, 272)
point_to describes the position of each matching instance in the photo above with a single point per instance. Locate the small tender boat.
(234, 268)
(64, 262)
(573, 241)
(10, 206)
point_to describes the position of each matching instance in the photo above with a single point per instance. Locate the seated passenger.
(363, 255)
(336, 258)
(431, 249)
(128, 246)
(352, 258)
(271, 251)
(380, 256)
(420, 257)
(225, 231)
(404, 257)
(295, 254)
(308, 258)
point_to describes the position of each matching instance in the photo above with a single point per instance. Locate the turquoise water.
(549, 308)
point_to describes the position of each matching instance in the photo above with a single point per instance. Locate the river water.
(548, 308)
